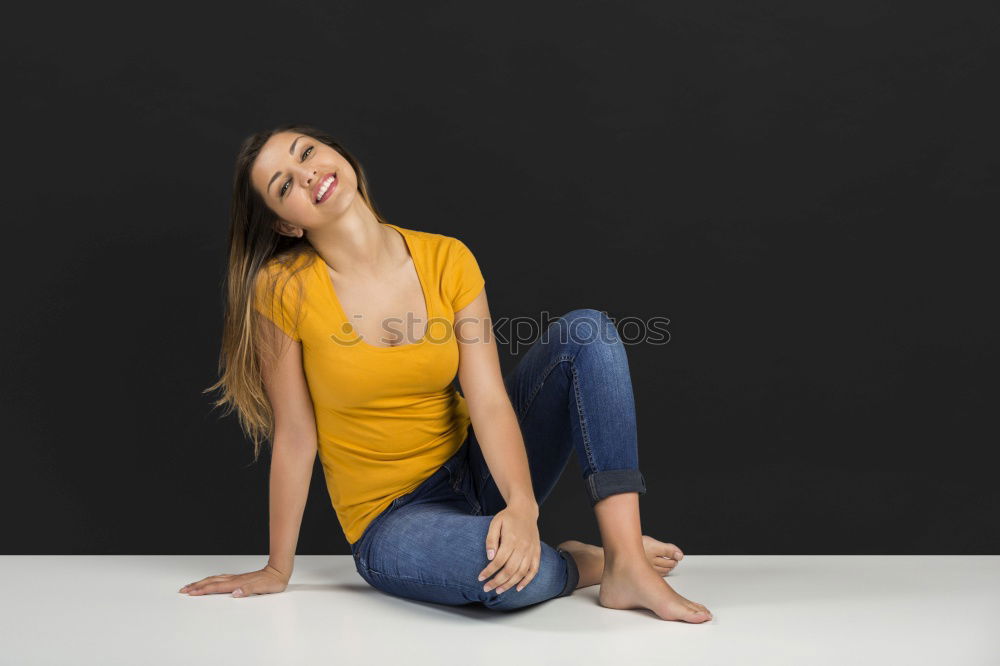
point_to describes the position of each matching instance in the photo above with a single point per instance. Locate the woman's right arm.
(293, 456)
(294, 447)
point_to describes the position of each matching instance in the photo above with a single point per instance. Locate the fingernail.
(499, 590)
(238, 592)
(489, 554)
(481, 577)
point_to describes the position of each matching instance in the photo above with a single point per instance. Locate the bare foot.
(589, 561)
(634, 584)
(662, 556)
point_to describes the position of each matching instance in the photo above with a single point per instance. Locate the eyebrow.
(291, 149)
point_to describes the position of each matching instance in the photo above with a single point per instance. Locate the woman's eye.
(284, 187)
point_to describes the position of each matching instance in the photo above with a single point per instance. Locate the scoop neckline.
(359, 340)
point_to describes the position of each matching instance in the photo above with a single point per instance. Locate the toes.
(663, 549)
(663, 564)
(702, 609)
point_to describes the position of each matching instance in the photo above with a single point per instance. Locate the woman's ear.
(286, 229)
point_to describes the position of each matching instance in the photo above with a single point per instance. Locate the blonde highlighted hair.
(259, 255)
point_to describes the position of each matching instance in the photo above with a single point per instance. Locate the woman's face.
(289, 172)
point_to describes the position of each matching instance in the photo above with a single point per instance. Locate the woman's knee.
(424, 553)
(425, 544)
(584, 327)
(557, 576)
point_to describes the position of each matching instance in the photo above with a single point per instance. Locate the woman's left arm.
(513, 535)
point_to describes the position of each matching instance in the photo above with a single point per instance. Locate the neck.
(354, 244)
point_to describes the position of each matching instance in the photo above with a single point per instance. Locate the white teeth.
(324, 187)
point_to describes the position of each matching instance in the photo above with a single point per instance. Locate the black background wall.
(808, 191)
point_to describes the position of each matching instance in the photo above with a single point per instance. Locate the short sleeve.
(276, 297)
(465, 280)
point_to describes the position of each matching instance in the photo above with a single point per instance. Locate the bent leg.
(434, 552)
(572, 391)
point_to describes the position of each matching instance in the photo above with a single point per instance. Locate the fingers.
(204, 581)
(497, 559)
(512, 573)
(511, 561)
(493, 537)
(222, 586)
(217, 587)
(530, 576)
(213, 584)
(496, 563)
(264, 581)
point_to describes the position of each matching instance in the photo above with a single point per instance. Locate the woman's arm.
(513, 545)
(493, 417)
(294, 445)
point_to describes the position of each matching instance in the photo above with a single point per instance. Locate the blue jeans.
(571, 392)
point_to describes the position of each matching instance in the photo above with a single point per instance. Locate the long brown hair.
(254, 246)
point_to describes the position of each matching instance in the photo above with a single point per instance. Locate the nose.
(310, 178)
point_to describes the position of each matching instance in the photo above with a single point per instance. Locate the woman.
(436, 491)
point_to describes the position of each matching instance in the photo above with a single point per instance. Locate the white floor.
(931, 609)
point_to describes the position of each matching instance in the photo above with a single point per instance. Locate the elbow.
(485, 409)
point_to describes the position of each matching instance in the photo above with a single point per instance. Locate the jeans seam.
(583, 419)
(538, 386)
(563, 358)
(521, 413)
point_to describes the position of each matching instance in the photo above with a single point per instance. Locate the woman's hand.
(513, 537)
(266, 581)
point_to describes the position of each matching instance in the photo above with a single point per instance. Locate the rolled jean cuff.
(614, 481)
(573, 576)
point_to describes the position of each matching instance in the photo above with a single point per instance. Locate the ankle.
(623, 559)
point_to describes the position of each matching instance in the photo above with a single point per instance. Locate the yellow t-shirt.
(386, 417)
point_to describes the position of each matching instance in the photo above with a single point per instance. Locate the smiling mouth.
(326, 188)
